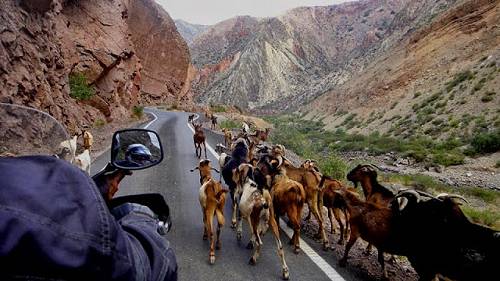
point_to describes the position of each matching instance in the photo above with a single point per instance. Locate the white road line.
(151, 122)
(330, 272)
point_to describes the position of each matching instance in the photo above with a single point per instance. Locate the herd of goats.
(431, 231)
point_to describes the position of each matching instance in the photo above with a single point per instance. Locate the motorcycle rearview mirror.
(136, 149)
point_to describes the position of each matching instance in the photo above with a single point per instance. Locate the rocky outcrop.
(44, 42)
(278, 64)
(163, 53)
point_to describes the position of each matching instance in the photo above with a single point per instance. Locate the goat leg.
(321, 231)
(211, 236)
(382, 263)
(350, 243)
(274, 226)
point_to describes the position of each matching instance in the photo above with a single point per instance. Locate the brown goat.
(199, 139)
(335, 204)
(310, 181)
(374, 192)
(288, 198)
(212, 199)
(373, 223)
(262, 135)
(228, 135)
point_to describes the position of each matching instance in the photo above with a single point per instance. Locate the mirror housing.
(136, 149)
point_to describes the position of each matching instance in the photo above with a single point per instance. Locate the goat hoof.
(238, 236)
(250, 245)
(252, 261)
(296, 250)
(217, 246)
(233, 225)
(212, 259)
(286, 274)
(325, 246)
(342, 262)
(341, 242)
(205, 237)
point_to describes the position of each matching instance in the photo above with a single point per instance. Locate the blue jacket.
(54, 224)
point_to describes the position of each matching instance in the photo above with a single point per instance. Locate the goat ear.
(214, 169)
(196, 168)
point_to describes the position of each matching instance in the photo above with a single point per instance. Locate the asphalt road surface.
(179, 186)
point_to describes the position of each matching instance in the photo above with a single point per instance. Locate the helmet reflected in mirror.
(136, 149)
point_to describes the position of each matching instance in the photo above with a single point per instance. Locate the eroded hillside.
(278, 64)
(442, 81)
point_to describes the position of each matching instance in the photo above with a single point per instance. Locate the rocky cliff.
(129, 52)
(277, 64)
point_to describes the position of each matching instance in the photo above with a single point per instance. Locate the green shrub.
(486, 142)
(138, 111)
(417, 94)
(497, 165)
(230, 124)
(448, 158)
(487, 217)
(486, 98)
(217, 108)
(458, 79)
(79, 88)
(333, 166)
(99, 123)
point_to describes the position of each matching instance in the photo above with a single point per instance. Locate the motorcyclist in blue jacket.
(55, 225)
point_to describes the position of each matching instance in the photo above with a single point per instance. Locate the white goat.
(245, 128)
(259, 202)
(68, 146)
(83, 161)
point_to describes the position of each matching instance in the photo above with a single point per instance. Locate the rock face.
(277, 64)
(111, 43)
(189, 31)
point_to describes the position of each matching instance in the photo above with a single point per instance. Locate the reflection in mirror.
(136, 149)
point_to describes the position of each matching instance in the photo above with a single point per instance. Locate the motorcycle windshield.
(28, 131)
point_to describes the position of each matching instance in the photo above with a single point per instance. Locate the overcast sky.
(213, 11)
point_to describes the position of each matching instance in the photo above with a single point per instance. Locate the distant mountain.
(282, 63)
(188, 30)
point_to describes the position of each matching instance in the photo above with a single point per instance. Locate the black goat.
(440, 239)
(238, 156)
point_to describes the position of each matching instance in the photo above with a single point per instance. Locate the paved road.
(180, 187)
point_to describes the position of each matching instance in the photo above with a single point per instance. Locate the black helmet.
(138, 154)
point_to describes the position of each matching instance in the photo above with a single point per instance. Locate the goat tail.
(219, 194)
(298, 192)
(322, 181)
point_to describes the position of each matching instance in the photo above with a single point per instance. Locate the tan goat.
(310, 181)
(212, 199)
(288, 198)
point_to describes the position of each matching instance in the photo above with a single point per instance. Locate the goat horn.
(426, 194)
(214, 169)
(408, 191)
(377, 167)
(446, 195)
(402, 202)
